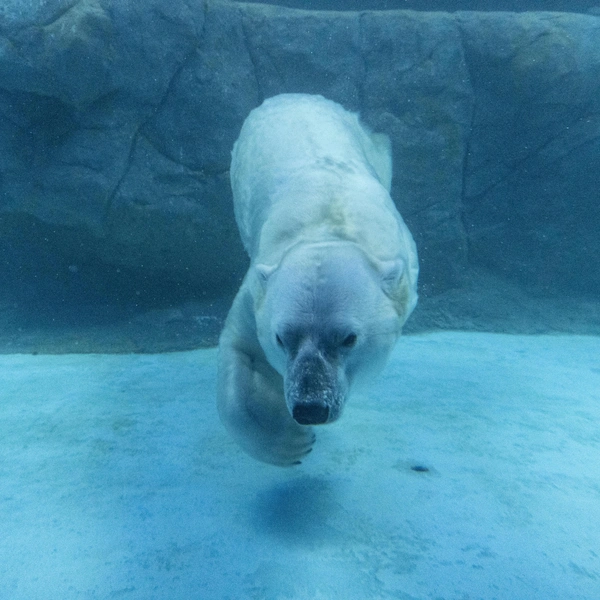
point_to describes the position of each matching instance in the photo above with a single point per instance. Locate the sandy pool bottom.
(470, 470)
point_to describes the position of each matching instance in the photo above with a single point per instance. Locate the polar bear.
(332, 277)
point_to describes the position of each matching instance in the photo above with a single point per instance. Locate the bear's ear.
(263, 272)
(391, 273)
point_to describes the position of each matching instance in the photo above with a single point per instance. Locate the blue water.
(469, 471)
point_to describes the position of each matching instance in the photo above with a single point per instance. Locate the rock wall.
(580, 6)
(117, 120)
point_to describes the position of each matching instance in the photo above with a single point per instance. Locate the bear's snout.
(314, 395)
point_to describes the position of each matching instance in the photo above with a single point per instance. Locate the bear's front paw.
(291, 448)
(275, 438)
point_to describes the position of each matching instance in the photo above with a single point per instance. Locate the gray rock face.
(580, 6)
(117, 120)
(532, 170)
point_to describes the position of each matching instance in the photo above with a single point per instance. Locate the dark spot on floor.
(419, 469)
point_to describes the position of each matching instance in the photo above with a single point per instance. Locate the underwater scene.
(300, 300)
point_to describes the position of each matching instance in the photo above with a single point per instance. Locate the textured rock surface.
(580, 6)
(117, 120)
(532, 173)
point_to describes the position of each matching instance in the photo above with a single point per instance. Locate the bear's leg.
(252, 406)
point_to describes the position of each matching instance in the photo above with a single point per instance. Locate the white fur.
(330, 257)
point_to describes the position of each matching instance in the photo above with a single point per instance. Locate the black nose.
(310, 413)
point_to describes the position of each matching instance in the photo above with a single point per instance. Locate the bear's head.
(327, 318)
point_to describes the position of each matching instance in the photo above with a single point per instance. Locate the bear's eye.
(349, 340)
(278, 340)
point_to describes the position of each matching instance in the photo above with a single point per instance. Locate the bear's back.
(294, 133)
